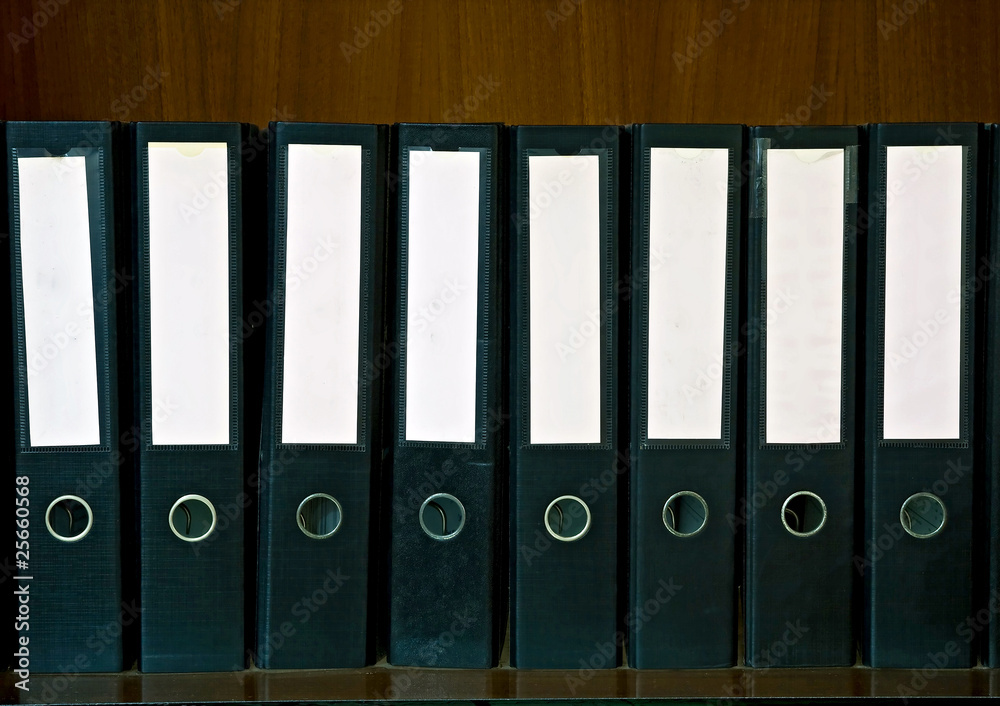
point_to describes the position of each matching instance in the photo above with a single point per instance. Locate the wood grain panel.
(515, 61)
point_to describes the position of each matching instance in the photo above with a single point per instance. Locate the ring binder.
(685, 391)
(921, 439)
(568, 423)
(801, 397)
(320, 448)
(447, 452)
(194, 240)
(72, 383)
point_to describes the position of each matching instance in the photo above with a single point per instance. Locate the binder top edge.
(81, 133)
(572, 128)
(918, 133)
(933, 123)
(686, 126)
(195, 123)
(231, 133)
(74, 124)
(649, 135)
(449, 125)
(320, 125)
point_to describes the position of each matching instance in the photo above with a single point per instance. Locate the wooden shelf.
(386, 683)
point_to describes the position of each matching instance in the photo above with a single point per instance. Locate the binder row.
(694, 365)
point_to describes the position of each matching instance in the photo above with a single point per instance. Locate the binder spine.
(682, 607)
(192, 589)
(445, 590)
(918, 584)
(800, 579)
(989, 508)
(338, 571)
(69, 472)
(579, 620)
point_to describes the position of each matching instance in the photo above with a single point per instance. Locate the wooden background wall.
(515, 61)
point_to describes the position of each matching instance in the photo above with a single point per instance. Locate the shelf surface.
(385, 683)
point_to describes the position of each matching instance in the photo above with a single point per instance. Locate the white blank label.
(442, 294)
(57, 284)
(688, 216)
(565, 317)
(805, 305)
(189, 292)
(923, 293)
(319, 397)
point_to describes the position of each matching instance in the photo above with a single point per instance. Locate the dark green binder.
(196, 439)
(567, 553)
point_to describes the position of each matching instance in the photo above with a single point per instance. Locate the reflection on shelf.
(387, 683)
